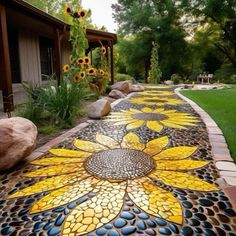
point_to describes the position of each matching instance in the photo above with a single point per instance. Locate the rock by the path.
(109, 99)
(169, 82)
(123, 86)
(137, 88)
(116, 94)
(17, 140)
(100, 108)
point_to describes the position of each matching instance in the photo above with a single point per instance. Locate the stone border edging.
(220, 152)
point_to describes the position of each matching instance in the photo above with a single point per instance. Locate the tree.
(220, 15)
(158, 21)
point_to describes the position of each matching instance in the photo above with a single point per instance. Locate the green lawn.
(221, 106)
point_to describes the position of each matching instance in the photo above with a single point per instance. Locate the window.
(47, 58)
(14, 55)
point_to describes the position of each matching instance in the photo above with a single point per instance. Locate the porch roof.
(93, 36)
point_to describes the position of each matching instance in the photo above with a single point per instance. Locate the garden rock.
(137, 88)
(98, 109)
(116, 94)
(18, 138)
(123, 86)
(169, 82)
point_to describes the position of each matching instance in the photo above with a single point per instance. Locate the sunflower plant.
(80, 67)
(101, 78)
(154, 73)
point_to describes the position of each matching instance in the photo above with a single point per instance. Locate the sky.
(101, 13)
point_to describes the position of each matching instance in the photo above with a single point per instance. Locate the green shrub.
(31, 109)
(62, 101)
(123, 77)
(176, 78)
(226, 74)
(48, 130)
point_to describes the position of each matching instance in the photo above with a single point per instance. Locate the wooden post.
(58, 54)
(112, 62)
(5, 66)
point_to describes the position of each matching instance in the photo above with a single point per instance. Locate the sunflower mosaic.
(159, 101)
(156, 93)
(111, 170)
(154, 119)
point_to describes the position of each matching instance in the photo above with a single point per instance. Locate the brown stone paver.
(220, 151)
(231, 192)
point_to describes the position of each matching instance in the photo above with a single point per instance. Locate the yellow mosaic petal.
(172, 125)
(124, 122)
(107, 141)
(52, 161)
(133, 111)
(155, 100)
(50, 184)
(131, 141)
(64, 195)
(163, 111)
(99, 210)
(175, 153)
(158, 110)
(147, 109)
(154, 200)
(68, 153)
(182, 180)
(55, 170)
(135, 125)
(182, 122)
(156, 145)
(89, 146)
(156, 93)
(180, 164)
(154, 125)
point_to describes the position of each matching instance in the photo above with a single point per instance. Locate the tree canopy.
(194, 35)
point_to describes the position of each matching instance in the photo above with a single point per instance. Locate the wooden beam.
(58, 39)
(111, 62)
(5, 63)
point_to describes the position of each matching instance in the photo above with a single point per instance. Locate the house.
(34, 45)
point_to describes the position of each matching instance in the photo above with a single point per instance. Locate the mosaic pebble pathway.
(147, 169)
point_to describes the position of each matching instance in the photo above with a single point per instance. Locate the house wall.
(29, 57)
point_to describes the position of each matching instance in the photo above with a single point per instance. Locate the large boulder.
(123, 86)
(168, 82)
(137, 88)
(18, 138)
(116, 94)
(98, 109)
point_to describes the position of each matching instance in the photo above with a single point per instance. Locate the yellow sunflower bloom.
(101, 168)
(154, 119)
(80, 61)
(156, 93)
(66, 68)
(87, 60)
(103, 50)
(83, 13)
(91, 71)
(151, 100)
(101, 72)
(67, 10)
(79, 76)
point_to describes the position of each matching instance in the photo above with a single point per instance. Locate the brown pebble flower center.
(149, 116)
(119, 164)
